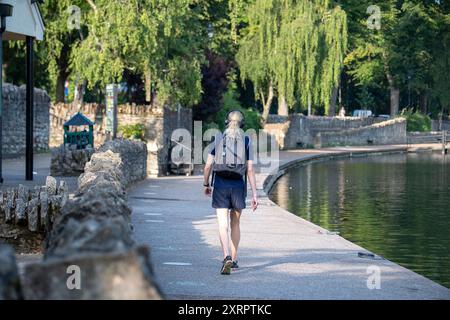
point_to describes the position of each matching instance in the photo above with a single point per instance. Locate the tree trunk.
(63, 73)
(424, 102)
(333, 100)
(60, 84)
(282, 107)
(78, 98)
(309, 106)
(267, 103)
(395, 98)
(395, 95)
(148, 87)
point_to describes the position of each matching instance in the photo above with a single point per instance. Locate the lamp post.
(29, 117)
(6, 10)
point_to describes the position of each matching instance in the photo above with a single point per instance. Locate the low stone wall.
(386, 132)
(299, 131)
(425, 137)
(27, 215)
(279, 132)
(158, 122)
(133, 159)
(93, 234)
(14, 112)
(437, 125)
(66, 162)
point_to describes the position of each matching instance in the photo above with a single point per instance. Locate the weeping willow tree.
(159, 39)
(294, 50)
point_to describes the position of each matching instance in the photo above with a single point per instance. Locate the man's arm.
(207, 173)
(252, 179)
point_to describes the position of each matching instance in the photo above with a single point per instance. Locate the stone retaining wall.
(93, 234)
(425, 137)
(386, 132)
(436, 126)
(299, 131)
(14, 111)
(26, 215)
(158, 122)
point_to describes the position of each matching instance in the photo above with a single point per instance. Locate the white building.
(25, 21)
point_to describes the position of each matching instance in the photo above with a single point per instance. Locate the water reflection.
(396, 206)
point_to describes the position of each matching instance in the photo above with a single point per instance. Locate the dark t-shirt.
(223, 183)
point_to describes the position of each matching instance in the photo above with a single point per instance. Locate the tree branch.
(92, 4)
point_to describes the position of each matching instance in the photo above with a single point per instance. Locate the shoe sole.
(226, 270)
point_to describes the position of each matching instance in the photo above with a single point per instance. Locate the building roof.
(25, 21)
(79, 120)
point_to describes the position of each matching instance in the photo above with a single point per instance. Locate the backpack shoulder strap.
(247, 150)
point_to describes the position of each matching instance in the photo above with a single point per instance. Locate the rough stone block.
(90, 182)
(33, 214)
(63, 191)
(45, 222)
(9, 277)
(54, 205)
(68, 162)
(10, 205)
(92, 234)
(115, 275)
(21, 204)
(51, 185)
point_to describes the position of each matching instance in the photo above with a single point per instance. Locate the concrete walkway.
(14, 172)
(281, 255)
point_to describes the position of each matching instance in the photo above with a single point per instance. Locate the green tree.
(441, 63)
(155, 38)
(223, 21)
(405, 54)
(53, 53)
(369, 61)
(294, 50)
(411, 49)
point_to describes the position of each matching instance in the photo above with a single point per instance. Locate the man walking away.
(231, 162)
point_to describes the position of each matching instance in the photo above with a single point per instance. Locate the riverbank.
(281, 255)
(294, 158)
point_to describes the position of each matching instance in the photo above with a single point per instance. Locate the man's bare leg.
(235, 217)
(222, 219)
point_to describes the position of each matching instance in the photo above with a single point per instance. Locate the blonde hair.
(233, 129)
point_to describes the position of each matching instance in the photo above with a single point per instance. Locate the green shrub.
(132, 131)
(416, 121)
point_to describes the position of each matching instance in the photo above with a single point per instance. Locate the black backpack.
(231, 158)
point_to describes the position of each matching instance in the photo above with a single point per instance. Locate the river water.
(397, 206)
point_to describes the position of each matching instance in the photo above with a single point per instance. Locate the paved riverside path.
(281, 255)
